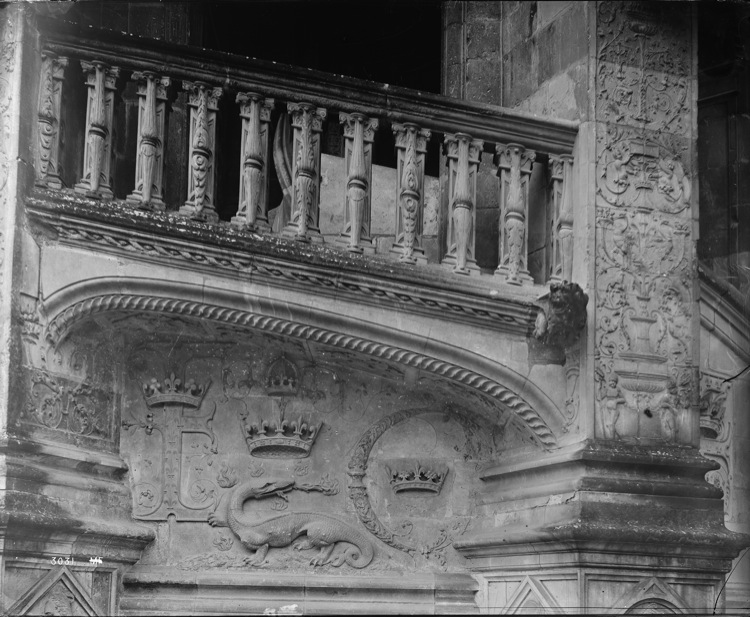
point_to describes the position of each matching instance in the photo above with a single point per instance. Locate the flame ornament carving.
(203, 102)
(411, 146)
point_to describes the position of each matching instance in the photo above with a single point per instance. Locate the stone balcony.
(319, 181)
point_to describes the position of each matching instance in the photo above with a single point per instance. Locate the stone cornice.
(372, 280)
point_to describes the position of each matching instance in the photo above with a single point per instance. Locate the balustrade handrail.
(490, 123)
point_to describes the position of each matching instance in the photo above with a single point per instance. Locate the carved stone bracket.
(563, 315)
(307, 121)
(97, 154)
(411, 146)
(50, 94)
(561, 232)
(514, 166)
(254, 156)
(464, 155)
(203, 101)
(359, 133)
(149, 163)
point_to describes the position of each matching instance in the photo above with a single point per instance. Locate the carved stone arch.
(652, 596)
(73, 305)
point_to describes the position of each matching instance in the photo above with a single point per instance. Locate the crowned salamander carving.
(321, 530)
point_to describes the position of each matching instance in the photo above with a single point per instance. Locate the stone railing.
(198, 111)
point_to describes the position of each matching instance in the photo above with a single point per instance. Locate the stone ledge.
(219, 248)
(147, 589)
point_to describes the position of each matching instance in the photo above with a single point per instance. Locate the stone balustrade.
(280, 118)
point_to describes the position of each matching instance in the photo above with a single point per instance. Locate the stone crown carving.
(563, 315)
(173, 391)
(415, 476)
(281, 439)
(282, 378)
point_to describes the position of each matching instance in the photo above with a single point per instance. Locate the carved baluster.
(307, 121)
(149, 162)
(515, 164)
(97, 154)
(50, 93)
(359, 132)
(464, 154)
(256, 116)
(203, 101)
(561, 258)
(411, 146)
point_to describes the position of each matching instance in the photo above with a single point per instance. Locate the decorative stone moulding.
(282, 378)
(173, 392)
(281, 439)
(411, 475)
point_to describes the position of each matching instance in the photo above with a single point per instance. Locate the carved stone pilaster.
(307, 121)
(254, 156)
(514, 167)
(359, 133)
(149, 162)
(561, 232)
(464, 155)
(411, 146)
(203, 101)
(97, 154)
(50, 94)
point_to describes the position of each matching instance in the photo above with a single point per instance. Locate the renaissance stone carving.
(359, 133)
(203, 102)
(337, 541)
(280, 438)
(50, 94)
(149, 163)
(61, 404)
(563, 316)
(307, 121)
(514, 167)
(411, 147)
(97, 154)
(254, 155)
(186, 445)
(713, 402)
(411, 475)
(561, 233)
(464, 155)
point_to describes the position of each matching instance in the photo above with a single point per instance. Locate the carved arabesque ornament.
(49, 121)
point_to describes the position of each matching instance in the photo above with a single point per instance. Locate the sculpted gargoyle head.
(563, 316)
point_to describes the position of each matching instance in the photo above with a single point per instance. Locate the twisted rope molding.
(62, 322)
